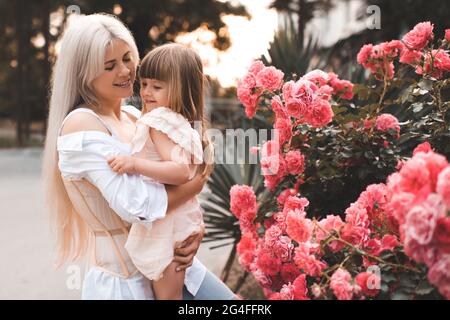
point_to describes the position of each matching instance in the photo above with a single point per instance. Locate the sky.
(250, 38)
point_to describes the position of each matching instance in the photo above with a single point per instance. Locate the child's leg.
(170, 287)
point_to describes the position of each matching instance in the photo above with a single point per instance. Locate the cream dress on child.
(151, 246)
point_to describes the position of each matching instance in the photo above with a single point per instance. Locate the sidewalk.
(26, 244)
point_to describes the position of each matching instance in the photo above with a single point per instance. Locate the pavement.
(27, 243)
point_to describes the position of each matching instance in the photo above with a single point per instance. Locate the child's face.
(154, 93)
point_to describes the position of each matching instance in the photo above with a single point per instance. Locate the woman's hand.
(186, 253)
(123, 164)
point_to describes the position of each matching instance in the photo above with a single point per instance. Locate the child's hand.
(123, 164)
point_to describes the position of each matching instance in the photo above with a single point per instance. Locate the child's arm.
(172, 170)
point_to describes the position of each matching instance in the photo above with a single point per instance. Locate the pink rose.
(289, 272)
(249, 100)
(262, 278)
(340, 284)
(418, 38)
(329, 224)
(274, 165)
(300, 288)
(267, 263)
(298, 96)
(423, 147)
(443, 185)
(295, 161)
(435, 64)
(270, 78)
(242, 199)
(283, 129)
(411, 57)
(369, 283)
(421, 219)
(283, 248)
(256, 67)
(278, 107)
(319, 113)
(325, 92)
(317, 77)
(439, 275)
(364, 55)
(297, 227)
(343, 89)
(447, 35)
(281, 199)
(295, 203)
(387, 122)
(271, 237)
(307, 261)
(246, 249)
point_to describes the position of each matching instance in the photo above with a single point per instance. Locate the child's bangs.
(155, 66)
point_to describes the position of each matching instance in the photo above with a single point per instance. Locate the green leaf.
(425, 84)
(417, 107)
(401, 295)
(424, 288)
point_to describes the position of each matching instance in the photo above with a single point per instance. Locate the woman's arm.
(134, 199)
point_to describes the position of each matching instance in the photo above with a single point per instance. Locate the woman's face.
(116, 81)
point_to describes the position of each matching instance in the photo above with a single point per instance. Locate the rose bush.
(393, 240)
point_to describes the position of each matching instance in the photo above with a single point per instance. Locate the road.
(26, 243)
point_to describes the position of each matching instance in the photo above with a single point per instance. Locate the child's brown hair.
(181, 68)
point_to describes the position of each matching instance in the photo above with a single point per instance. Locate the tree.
(304, 9)
(166, 19)
(396, 19)
(25, 67)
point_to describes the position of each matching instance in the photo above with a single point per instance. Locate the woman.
(92, 206)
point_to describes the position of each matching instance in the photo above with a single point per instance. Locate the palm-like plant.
(287, 53)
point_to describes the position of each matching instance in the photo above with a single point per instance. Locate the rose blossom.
(284, 129)
(439, 275)
(443, 185)
(242, 199)
(300, 288)
(317, 77)
(269, 78)
(411, 57)
(423, 147)
(267, 263)
(418, 38)
(298, 228)
(295, 203)
(421, 219)
(387, 122)
(340, 284)
(295, 161)
(319, 113)
(256, 67)
(369, 283)
(289, 272)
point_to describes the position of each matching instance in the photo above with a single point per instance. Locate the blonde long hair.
(80, 61)
(182, 69)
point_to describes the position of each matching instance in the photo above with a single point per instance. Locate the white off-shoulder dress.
(151, 246)
(109, 203)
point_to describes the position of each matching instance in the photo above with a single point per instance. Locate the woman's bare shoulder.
(82, 121)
